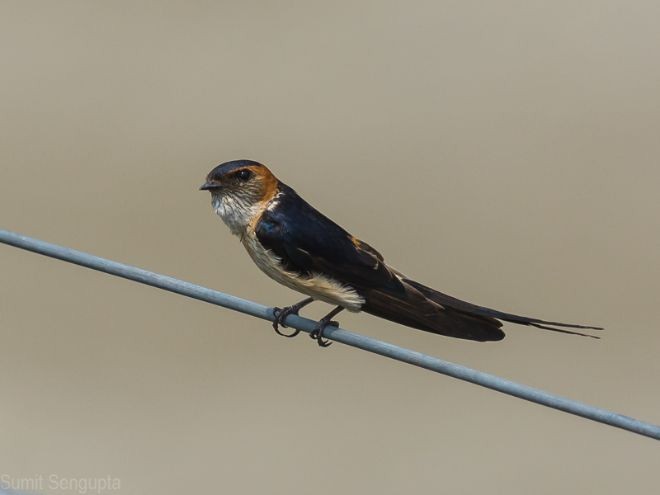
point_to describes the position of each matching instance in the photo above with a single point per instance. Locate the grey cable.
(334, 333)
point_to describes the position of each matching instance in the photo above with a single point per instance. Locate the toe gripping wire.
(317, 333)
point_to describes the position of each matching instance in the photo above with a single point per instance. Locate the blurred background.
(503, 152)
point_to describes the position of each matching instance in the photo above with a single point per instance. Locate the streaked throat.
(235, 212)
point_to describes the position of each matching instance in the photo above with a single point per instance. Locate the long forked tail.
(480, 311)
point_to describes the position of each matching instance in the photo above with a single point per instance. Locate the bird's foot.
(317, 333)
(280, 315)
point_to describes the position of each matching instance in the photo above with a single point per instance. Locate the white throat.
(236, 214)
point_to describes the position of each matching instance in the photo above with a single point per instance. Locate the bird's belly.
(316, 285)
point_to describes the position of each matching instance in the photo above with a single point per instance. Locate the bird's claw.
(280, 315)
(317, 333)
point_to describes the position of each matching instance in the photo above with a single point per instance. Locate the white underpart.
(238, 216)
(316, 285)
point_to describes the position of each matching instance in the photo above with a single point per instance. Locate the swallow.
(299, 247)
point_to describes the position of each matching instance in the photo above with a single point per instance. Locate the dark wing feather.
(308, 242)
(415, 310)
(473, 309)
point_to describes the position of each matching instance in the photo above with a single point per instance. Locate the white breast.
(317, 285)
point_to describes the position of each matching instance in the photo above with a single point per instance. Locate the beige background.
(505, 152)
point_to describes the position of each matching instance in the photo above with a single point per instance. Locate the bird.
(302, 249)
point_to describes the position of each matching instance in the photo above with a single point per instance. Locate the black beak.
(207, 186)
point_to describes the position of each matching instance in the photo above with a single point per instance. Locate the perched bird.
(301, 248)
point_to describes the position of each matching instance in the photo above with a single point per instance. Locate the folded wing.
(308, 242)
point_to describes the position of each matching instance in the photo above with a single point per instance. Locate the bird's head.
(239, 191)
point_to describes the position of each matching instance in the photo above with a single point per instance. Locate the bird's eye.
(244, 174)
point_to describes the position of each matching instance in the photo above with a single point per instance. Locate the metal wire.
(334, 333)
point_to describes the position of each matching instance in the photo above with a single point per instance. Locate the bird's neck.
(236, 214)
